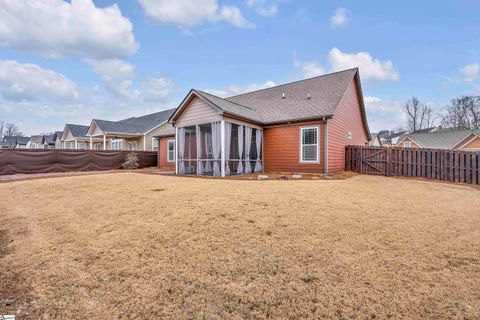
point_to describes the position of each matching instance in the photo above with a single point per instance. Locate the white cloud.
(57, 28)
(190, 13)
(470, 73)
(262, 8)
(29, 82)
(155, 89)
(384, 114)
(370, 68)
(236, 89)
(309, 69)
(339, 18)
(117, 75)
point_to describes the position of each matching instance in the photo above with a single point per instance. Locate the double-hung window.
(171, 151)
(117, 144)
(309, 146)
(154, 144)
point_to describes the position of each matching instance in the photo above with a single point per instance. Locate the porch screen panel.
(248, 144)
(181, 150)
(199, 151)
(258, 163)
(208, 151)
(240, 150)
(228, 140)
(216, 147)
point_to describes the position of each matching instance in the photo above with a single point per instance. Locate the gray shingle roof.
(22, 140)
(37, 139)
(135, 125)
(296, 101)
(10, 140)
(58, 134)
(49, 138)
(77, 130)
(442, 139)
(325, 92)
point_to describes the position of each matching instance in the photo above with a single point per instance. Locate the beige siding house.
(137, 133)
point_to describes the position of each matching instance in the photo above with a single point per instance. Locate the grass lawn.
(128, 245)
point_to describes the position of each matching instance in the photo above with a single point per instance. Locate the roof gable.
(302, 100)
(440, 139)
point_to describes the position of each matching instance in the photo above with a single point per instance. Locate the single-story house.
(49, 141)
(375, 142)
(36, 142)
(137, 133)
(58, 139)
(74, 136)
(15, 142)
(448, 139)
(301, 126)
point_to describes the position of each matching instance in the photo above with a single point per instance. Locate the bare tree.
(12, 129)
(463, 113)
(419, 115)
(2, 123)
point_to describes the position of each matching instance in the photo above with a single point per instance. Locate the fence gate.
(447, 165)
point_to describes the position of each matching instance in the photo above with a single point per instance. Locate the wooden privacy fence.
(44, 161)
(439, 164)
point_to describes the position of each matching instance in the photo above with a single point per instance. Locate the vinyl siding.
(197, 112)
(282, 149)
(162, 154)
(347, 118)
(473, 145)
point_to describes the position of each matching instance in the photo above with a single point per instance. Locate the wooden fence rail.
(447, 165)
(44, 161)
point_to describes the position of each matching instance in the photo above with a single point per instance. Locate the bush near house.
(131, 161)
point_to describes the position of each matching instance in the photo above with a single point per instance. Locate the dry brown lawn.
(126, 245)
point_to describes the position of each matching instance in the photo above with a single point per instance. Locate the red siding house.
(298, 127)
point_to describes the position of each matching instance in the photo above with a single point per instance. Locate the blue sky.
(73, 61)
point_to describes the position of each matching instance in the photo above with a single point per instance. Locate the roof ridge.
(289, 83)
(238, 104)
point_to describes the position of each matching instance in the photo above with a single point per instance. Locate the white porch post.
(145, 142)
(91, 143)
(197, 133)
(176, 150)
(263, 151)
(76, 144)
(104, 142)
(222, 141)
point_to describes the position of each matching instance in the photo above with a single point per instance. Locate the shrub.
(131, 161)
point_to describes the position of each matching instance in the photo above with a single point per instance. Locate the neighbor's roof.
(77, 130)
(9, 140)
(58, 134)
(37, 139)
(135, 125)
(441, 139)
(22, 140)
(49, 138)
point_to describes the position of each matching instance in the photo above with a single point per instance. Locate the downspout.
(325, 147)
(176, 150)
(222, 142)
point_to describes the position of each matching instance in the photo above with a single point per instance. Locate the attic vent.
(283, 95)
(308, 96)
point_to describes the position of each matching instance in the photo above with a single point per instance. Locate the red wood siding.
(347, 118)
(282, 149)
(162, 154)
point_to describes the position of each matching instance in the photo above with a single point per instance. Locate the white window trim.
(153, 144)
(318, 145)
(114, 141)
(407, 142)
(168, 150)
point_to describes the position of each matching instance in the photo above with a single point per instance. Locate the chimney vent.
(308, 96)
(283, 95)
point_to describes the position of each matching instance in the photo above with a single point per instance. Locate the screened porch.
(219, 149)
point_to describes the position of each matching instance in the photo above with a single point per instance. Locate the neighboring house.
(15, 142)
(449, 139)
(166, 148)
(137, 133)
(49, 141)
(58, 140)
(391, 139)
(74, 136)
(36, 142)
(375, 142)
(301, 126)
